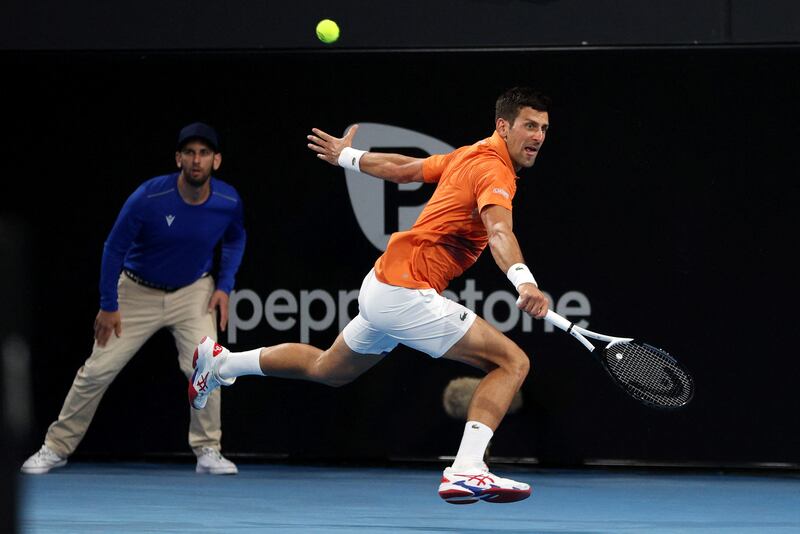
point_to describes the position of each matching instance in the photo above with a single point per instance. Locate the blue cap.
(199, 130)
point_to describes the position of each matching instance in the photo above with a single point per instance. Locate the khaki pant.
(144, 311)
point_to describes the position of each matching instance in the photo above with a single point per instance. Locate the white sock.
(241, 363)
(473, 445)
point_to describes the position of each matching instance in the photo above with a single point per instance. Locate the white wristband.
(519, 274)
(349, 158)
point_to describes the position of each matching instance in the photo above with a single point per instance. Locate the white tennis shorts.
(418, 318)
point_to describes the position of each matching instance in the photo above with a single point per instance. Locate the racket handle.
(556, 320)
(565, 325)
(553, 318)
(568, 327)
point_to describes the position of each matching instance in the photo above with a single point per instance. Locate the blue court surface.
(165, 498)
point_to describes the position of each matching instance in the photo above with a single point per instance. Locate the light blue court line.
(170, 498)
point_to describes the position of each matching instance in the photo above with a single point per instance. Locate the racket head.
(648, 374)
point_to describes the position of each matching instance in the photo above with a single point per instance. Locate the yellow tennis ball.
(327, 31)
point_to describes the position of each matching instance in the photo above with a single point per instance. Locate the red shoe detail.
(194, 359)
(217, 349)
(192, 392)
(480, 479)
(202, 383)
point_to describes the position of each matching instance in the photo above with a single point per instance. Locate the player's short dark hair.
(512, 101)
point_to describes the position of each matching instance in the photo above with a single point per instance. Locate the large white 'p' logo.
(384, 207)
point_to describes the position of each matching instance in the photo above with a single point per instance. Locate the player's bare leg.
(506, 366)
(216, 366)
(336, 366)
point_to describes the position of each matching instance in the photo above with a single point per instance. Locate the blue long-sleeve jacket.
(169, 242)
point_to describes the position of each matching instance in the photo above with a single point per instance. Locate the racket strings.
(649, 374)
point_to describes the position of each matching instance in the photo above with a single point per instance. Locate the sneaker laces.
(208, 451)
(45, 454)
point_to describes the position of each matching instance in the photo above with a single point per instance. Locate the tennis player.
(400, 299)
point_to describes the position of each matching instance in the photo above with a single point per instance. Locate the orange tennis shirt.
(449, 235)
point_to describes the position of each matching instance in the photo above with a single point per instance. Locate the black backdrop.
(211, 25)
(665, 193)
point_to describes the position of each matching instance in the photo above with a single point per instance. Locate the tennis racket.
(646, 373)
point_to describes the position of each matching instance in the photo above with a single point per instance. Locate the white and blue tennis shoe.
(207, 358)
(467, 486)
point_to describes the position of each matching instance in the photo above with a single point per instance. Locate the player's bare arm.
(506, 252)
(386, 166)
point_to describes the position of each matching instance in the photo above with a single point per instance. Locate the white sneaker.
(205, 379)
(42, 461)
(210, 461)
(467, 486)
